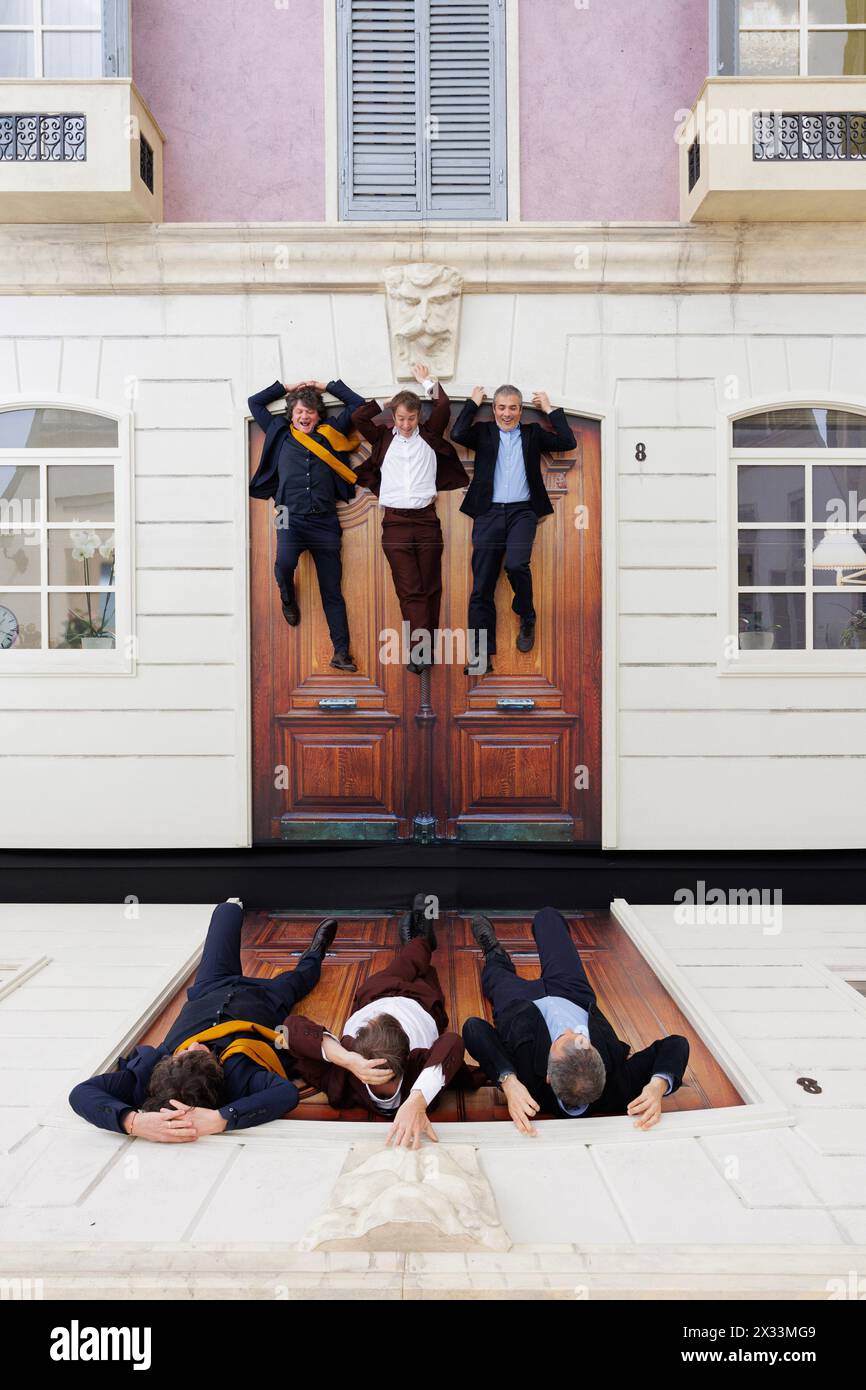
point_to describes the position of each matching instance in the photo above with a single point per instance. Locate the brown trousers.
(411, 975)
(412, 542)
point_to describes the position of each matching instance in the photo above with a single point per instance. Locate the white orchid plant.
(86, 545)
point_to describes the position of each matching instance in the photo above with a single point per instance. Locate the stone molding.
(554, 258)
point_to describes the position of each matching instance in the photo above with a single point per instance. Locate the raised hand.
(478, 395)
(411, 1124)
(421, 372)
(521, 1107)
(647, 1107)
(541, 401)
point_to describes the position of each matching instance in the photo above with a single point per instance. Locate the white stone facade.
(667, 333)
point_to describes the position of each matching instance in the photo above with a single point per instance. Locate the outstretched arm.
(464, 430)
(351, 402)
(259, 403)
(559, 439)
(363, 418)
(652, 1074)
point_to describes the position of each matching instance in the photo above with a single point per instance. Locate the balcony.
(75, 150)
(775, 149)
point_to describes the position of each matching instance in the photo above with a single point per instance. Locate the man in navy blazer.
(305, 468)
(506, 497)
(183, 1089)
(551, 1048)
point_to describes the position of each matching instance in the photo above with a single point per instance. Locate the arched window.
(800, 478)
(65, 596)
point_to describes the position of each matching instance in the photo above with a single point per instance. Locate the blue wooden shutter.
(422, 96)
(382, 150)
(465, 107)
(115, 38)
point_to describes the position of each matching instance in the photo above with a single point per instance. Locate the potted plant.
(854, 635)
(90, 629)
(756, 637)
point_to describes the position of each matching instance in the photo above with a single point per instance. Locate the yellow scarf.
(346, 445)
(262, 1053)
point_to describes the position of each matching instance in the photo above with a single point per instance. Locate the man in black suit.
(305, 468)
(552, 1049)
(506, 497)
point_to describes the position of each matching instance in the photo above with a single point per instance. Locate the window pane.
(16, 55)
(837, 11)
(80, 620)
(83, 557)
(769, 55)
(769, 12)
(796, 428)
(20, 622)
(838, 493)
(826, 579)
(772, 620)
(16, 11)
(771, 494)
(837, 54)
(840, 621)
(71, 55)
(71, 11)
(771, 557)
(19, 495)
(20, 558)
(51, 427)
(77, 492)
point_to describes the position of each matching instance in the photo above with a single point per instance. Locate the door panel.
(506, 749)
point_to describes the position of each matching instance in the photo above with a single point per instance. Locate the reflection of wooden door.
(338, 755)
(629, 994)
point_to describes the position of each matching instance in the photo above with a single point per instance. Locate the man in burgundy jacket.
(395, 1054)
(410, 461)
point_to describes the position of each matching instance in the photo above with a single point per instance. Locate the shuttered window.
(422, 94)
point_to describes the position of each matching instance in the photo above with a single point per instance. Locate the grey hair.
(508, 391)
(577, 1078)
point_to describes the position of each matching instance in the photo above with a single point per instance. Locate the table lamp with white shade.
(841, 551)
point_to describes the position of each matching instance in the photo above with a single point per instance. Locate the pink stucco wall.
(236, 86)
(599, 87)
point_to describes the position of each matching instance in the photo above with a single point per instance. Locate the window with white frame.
(801, 529)
(788, 38)
(65, 601)
(422, 108)
(64, 38)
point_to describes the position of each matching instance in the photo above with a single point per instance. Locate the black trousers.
(505, 532)
(221, 966)
(562, 972)
(322, 535)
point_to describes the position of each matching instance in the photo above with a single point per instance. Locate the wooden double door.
(514, 755)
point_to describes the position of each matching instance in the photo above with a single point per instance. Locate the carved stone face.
(423, 315)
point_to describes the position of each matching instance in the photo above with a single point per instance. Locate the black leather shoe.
(485, 934)
(341, 661)
(291, 613)
(323, 937)
(473, 670)
(416, 923)
(415, 667)
(526, 637)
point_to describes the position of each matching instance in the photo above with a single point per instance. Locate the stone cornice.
(632, 257)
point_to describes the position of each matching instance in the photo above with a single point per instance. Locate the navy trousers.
(505, 532)
(221, 965)
(322, 535)
(562, 971)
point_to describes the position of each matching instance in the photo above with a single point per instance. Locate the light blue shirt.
(509, 475)
(561, 1015)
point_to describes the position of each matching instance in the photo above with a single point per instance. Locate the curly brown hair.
(196, 1078)
(308, 396)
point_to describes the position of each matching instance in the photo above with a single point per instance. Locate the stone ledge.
(559, 258)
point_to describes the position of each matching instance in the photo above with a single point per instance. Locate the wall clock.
(8, 628)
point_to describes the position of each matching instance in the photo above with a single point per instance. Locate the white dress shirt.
(419, 1027)
(409, 469)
